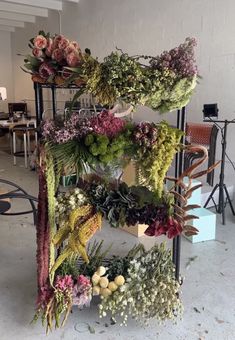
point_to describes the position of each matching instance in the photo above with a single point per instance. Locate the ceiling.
(15, 13)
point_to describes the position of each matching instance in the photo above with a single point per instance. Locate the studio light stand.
(223, 191)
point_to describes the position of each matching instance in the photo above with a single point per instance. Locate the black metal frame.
(19, 192)
(179, 166)
(223, 191)
(39, 107)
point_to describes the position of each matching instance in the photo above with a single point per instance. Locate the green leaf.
(26, 71)
(29, 67)
(33, 60)
(41, 32)
(74, 69)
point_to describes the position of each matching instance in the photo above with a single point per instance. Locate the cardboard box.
(136, 230)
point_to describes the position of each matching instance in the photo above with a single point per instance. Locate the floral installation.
(71, 271)
(163, 83)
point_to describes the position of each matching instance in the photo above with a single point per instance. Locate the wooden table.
(8, 124)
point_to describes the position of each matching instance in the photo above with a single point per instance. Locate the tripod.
(223, 191)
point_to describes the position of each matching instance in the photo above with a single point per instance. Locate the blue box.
(206, 225)
(196, 194)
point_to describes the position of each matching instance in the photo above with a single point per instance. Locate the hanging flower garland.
(163, 83)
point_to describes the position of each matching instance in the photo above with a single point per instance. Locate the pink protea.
(37, 52)
(73, 59)
(40, 42)
(57, 55)
(45, 70)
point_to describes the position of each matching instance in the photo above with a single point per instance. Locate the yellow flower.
(103, 282)
(119, 280)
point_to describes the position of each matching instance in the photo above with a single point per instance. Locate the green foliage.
(115, 203)
(72, 265)
(154, 163)
(150, 291)
(108, 150)
(69, 267)
(119, 265)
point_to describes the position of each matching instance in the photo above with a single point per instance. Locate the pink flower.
(57, 55)
(64, 282)
(82, 292)
(66, 74)
(63, 43)
(37, 52)
(69, 49)
(106, 123)
(75, 44)
(46, 70)
(83, 280)
(56, 40)
(40, 42)
(49, 47)
(73, 59)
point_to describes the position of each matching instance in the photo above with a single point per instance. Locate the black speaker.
(210, 111)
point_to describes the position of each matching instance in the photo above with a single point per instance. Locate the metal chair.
(26, 131)
(17, 192)
(206, 135)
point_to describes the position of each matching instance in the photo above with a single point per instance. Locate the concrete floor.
(208, 291)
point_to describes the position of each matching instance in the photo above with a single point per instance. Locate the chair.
(206, 135)
(17, 192)
(26, 130)
(17, 108)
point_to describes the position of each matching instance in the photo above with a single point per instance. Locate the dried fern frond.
(181, 199)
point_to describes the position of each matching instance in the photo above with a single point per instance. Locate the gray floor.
(208, 291)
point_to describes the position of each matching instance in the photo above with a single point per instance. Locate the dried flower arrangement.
(164, 83)
(141, 284)
(69, 220)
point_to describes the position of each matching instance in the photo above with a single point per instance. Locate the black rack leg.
(229, 199)
(181, 122)
(211, 196)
